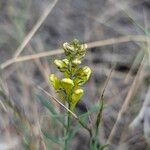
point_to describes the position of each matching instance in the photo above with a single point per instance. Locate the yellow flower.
(74, 76)
(76, 96)
(61, 64)
(55, 81)
(65, 61)
(69, 49)
(82, 51)
(76, 62)
(84, 46)
(87, 72)
(83, 75)
(58, 63)
(67, 84)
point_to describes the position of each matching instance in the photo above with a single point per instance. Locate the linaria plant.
(70, 87)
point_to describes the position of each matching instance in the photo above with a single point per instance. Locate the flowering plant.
(69, 88)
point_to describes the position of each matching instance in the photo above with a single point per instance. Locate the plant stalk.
(67, 130)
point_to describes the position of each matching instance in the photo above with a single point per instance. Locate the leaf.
(104, 146)
(72, 133)
(54, 139)
(48, 104)
(75, 130)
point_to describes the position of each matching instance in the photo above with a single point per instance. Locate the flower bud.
(61, 64)
(86, 72)
(75, 43)
(76, 97)
(68, 48)
(55, 81)
(67, 84)
(83, 48)
(65, 61)
(83, 75)
(76, 62)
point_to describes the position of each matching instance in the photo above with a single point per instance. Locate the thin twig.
(135, 38)
(35, 28)
(101, 101)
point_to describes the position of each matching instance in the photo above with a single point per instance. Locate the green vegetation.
(70, 91)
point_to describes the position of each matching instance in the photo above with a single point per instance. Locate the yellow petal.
(67, 47)
(83, 75)
(76, 97)
(76, 62)
(62, 64)
(55, 81)
(67, 84)
(66, 61)
(59, 63)
(87, 71)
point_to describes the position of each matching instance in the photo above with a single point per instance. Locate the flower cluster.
(74, 76)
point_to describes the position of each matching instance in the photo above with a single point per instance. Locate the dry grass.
(135, 38)
(127, 101)
(19, 72)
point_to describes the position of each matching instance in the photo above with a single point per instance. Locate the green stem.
(91, 143)
(85, 127)
(67, 142)
(67, 131)
(99, 117)
(89, 131)
(97, 124)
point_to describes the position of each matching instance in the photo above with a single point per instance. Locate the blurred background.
(32, 32)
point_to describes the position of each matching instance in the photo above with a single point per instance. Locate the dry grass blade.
(128, 76)
(106, 83)
(101, 99)
(148, 48)
(126, 103)
(3, 106)
(35, 28)
(111, 41)
(122, 39)
(31, 57)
